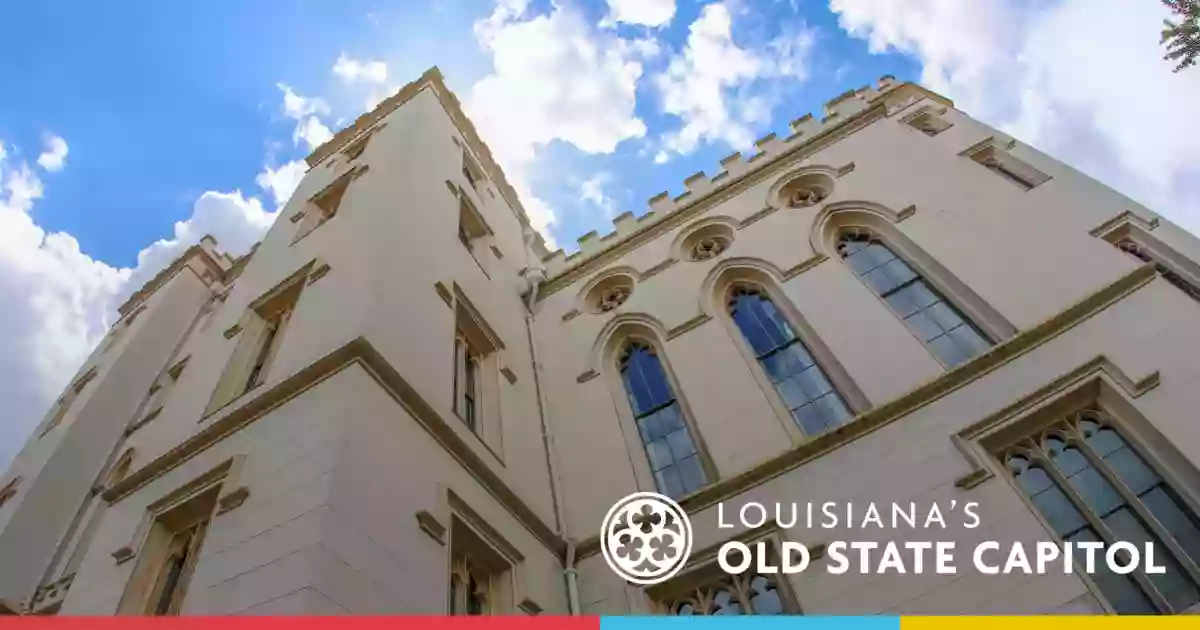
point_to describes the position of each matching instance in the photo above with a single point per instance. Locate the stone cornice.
(725, 188)
(256, 404)
(925, 394)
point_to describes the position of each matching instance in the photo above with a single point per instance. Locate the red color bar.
(301, 623)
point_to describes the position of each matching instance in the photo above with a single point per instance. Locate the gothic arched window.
(1090, 484)
(948, 334)
(806, 391)
(670, 449)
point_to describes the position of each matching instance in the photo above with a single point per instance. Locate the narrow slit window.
(1009, 167)
(928, 123)
(1144, 254)
(471, 171)
(168, 557)
(268, 346)
(324, 205)
(466, 381)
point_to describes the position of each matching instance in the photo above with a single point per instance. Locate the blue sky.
(128, 130)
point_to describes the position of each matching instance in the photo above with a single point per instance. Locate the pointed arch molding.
(710, 302)
(843, 214)
(882, 222)
(623, 326)
(1078, 387)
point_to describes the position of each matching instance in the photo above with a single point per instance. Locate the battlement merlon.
(432, 79)
(201, 257)
(885, 98)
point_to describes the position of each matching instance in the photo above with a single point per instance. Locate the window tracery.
(1090, 484)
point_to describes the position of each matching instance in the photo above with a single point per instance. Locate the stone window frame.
(746, 275)
(995, 154)
(472, 172)
(475, 549)
(928, 120)
(157, 397)
(278, 305)
(1129, 231)
(474, 232)
(9, 489)
(702, 571)
(1097, 384)
(612, 342)
(325, 204)
(63, 405)
(472, 331)
(191, 506)
(883, 223)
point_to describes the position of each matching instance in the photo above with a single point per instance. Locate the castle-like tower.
(400, 402)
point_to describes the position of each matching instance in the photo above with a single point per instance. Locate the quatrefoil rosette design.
(646, 538)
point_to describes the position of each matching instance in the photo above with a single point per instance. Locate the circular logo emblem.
(646, 538)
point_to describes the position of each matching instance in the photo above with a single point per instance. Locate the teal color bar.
(750, 622)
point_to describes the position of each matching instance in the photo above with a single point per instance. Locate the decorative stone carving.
(809, 187)
(804, 197)
(612, 298)
(709, 247)
(49, 597)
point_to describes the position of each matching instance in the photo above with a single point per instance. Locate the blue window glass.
(940, 326)
(672, 453)
(1089, 483)
(812, 400)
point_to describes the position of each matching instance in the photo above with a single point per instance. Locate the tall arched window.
(935, 321)
(808, 394)
(673, 456)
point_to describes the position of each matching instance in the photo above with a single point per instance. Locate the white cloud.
(1080, 79)
(353, 70)
(297, 107)
(56, 302)
(312, 132)
(305, 111)
(282, 182)
(592, 191)
(55, 155)
(715, 86)
(236, 221)
(642, 12)
(555, 77)
(53, 307)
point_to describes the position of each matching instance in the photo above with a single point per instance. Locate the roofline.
(432, 79)
(152, 285)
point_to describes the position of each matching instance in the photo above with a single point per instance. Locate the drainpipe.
(547, 435)
(534, 276)
(572, 578)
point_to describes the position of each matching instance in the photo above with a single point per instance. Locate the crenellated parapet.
(886, 96)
